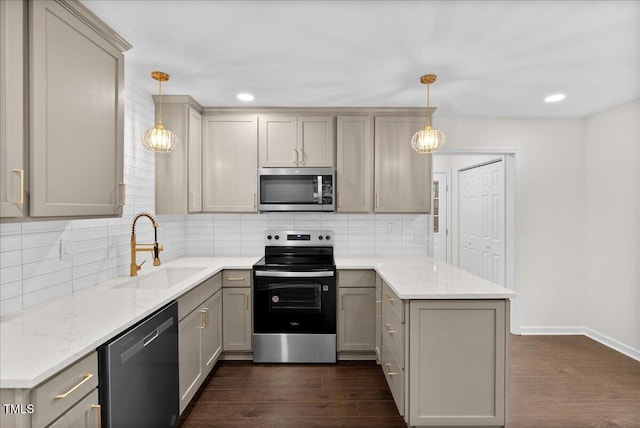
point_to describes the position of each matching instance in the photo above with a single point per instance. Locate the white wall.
(612, 225)
(550, 171)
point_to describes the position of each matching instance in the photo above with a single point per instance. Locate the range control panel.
(293, 238)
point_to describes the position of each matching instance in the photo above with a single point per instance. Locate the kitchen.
(47, 259)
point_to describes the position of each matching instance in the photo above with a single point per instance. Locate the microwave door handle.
(320, 189)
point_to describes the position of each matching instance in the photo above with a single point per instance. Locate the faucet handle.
(138, 267)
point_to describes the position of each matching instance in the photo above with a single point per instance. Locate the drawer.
(236, 278)
(392, 301)
(194, 298)
(57, 395)
(395, 378)
(393, 335)
(85, 414)
(356, 278)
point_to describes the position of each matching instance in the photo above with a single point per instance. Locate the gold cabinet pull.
(389, 368)
(377, 200)
(295, 157)
(98, 410)
(388, 328)
(123, 196)
(235, 278)
(203, 318)
(84, 380)
(246, 301)
(300, 157)
(389, 298)
(20, 199)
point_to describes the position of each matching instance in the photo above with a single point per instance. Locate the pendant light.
(428, 140)
(159, 139)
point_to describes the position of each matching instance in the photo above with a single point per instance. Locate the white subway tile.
(48, 280)
(10, 243)
(10, 274)
(46, 294)
(10, 258)
(7, 229)
(38, 269)
(10, 306)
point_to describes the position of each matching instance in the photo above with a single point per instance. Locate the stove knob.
(328, 238)
(277, 237)
(320, 237)
(269, 237)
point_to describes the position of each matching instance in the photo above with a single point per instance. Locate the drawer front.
(356, 278)
(395, 378)
(194, 298)
(57, 395)
(84, 414)
(236, 278)
(393, 335)
(392, 301)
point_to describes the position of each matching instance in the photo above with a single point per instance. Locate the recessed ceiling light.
(555, 98)
(245, 97)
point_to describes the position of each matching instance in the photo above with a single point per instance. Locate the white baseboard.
(607, 341)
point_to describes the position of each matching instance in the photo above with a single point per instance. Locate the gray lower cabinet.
(356, 311)
(378, 321)
(67, 399)
(458, 362)
(230, 163)
(237, 332)
(199, 335)
(179, 173)
(76, 112)
(12, 108)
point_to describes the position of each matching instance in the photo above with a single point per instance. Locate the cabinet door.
(12, 114)
(402, 176)
(194, 165)
(76, 116)
(315, 140)
(229, 163)
(85, 414)
(189, 355)
(236, 319)
(212, 332)
(378, 328)
(457, 362)
(356, 319)
(277, 145)
(354, 164)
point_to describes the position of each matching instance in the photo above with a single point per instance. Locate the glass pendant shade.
(428, 140)
(159, 140)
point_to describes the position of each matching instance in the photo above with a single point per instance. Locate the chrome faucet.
(154, 248)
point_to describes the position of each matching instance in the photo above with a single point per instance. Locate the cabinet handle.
(301, 157)
(378, 301)
(255, 201)
(20, 200)
(203, 318)
(193, 198)
(389, 368)
(246, 301)
(377, 200)
(235, 278)
(123, 196)
(98, 410)
(342, 303)
(295, 157)
(388, 328)
(389, 298)
(84, 380)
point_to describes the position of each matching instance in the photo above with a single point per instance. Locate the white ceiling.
(492, 58)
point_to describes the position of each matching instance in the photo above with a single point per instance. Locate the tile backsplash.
(43, 260)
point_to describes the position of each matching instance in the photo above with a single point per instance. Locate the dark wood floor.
(555, 382)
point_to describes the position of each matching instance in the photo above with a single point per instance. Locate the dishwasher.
(138, 373)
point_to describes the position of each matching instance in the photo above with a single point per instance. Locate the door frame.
(448, 213)
(511, 163)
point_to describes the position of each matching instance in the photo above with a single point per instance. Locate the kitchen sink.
(161, 278)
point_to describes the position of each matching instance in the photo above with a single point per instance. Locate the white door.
(439, 217)
(482, 221)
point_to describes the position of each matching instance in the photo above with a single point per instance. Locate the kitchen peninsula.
(444, 334)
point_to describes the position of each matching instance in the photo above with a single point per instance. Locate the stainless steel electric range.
(294, 299)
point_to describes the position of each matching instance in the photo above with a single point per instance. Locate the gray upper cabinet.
(402, 176)
(354, 172)
(179, 173)
(12, 108)
(229, 163)
(76, 110)
(290, 141)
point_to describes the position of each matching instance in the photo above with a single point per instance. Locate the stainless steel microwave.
(296, 189)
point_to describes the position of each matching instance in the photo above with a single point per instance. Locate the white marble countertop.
(38, 342)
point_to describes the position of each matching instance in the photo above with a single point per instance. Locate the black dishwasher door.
(139, 374)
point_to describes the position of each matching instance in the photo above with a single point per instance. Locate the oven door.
(294, 302)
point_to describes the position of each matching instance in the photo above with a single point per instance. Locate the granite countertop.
(38, 342)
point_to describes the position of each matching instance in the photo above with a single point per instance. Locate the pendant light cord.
(160, 107)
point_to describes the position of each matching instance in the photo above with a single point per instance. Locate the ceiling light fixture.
(158, 139)
(245, 97)
(428, 140)
(554, 98)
